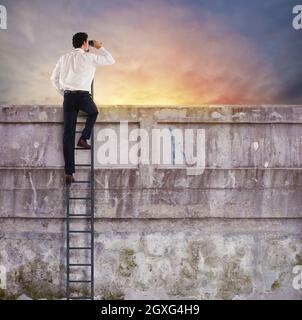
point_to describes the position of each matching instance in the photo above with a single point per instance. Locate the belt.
(75, 91)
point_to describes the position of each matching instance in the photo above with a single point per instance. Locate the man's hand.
(97, 44)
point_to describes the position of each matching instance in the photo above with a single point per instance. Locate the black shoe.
(69, 178)
(83, 143)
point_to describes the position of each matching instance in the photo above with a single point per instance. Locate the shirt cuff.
(103, 50)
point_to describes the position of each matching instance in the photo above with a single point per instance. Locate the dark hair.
(78, 39)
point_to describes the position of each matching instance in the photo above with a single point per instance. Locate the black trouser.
(73, 102)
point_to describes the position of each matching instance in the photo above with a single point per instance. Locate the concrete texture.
(232, 232)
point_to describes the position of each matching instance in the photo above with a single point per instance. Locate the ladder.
(74, 235)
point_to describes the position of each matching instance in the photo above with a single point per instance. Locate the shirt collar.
(79, 49)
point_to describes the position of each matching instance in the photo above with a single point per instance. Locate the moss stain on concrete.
(127, 263)
(36, 281)
(234, 282)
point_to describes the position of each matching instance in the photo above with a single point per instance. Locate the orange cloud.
(165, 56)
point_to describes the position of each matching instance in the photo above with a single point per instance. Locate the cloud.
(165, 54)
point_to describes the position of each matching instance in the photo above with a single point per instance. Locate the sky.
(167, 52)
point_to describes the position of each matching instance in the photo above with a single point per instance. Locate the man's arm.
(55, 76)
(103, 59)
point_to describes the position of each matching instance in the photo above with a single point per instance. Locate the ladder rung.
(82, 165)
(79, 181)
(76, 248)
(79, 231)
(79, 298)
(79, 264)
(79, 198)
(79, 148)
(80, 215)
(79, 281)
(79, 131)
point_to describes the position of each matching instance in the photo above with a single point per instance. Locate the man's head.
(80, 40)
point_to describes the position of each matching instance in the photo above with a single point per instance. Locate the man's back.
(75, 70)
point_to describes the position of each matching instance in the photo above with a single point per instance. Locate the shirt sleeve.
(55, 77)
(103, 59)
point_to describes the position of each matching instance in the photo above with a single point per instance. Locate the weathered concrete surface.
(233, 232)
(202, 259)
(120, 193)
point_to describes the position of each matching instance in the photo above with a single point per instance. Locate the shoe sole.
(68, 181)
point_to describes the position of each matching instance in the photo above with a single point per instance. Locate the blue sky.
(166, 51)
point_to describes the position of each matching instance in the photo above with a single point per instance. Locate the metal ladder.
(89, 222)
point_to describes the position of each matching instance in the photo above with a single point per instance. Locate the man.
(72, 78)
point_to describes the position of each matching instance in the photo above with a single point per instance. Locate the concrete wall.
(231, 232)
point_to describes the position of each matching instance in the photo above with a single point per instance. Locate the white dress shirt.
(75, 70)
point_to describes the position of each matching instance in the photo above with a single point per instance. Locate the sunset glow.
(166, 52)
